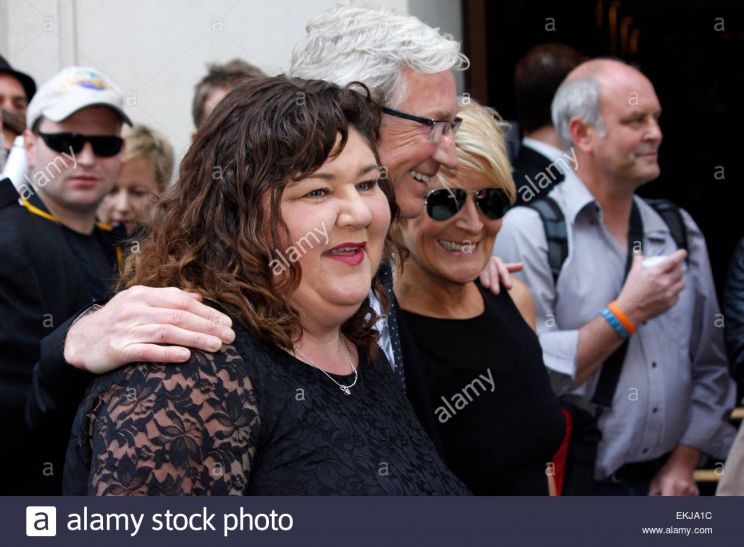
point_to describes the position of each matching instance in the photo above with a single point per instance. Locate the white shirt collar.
(547, 150)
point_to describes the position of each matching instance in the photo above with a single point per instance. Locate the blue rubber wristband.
(615, 323)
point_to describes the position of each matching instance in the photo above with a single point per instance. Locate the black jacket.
(733, 311)
(42, 288)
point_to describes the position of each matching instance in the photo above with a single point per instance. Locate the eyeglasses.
(444, 203)
(439, 128)
(104, 146)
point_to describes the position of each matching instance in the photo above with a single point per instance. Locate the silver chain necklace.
(342, 387)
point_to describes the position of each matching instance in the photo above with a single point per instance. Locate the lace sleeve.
(175, 429)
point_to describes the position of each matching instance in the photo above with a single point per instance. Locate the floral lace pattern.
(164, 429)
(249, 419)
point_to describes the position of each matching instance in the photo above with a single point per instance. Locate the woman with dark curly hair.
(280, 219)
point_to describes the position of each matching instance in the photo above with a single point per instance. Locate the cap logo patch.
(89, 80)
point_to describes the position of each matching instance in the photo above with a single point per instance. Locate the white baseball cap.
(73, 89)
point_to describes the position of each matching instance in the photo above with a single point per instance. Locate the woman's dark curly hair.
(215, 231)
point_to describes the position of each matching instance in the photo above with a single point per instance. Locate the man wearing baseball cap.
(56, 258)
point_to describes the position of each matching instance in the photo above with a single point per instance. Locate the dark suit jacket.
(41, 287)
(528, 164)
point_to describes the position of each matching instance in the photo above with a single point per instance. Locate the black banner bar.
(386, 522)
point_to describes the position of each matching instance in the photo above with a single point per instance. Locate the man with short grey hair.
(409, 67)
(658, 329)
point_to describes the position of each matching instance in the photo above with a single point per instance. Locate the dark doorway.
(692, 51)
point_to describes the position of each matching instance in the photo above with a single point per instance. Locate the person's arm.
(56, 387)
(647, 292)
(573, 355)
(145, 324)
(522, 298)
(676, 477)
(174, 430)
(732, 479)
(713, 391)
(139, 324)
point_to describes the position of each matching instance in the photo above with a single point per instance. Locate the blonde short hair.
(481, 147)
(143, 142)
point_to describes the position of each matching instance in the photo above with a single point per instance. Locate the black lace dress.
(252, 420)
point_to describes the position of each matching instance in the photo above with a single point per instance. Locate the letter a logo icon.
(41, 520)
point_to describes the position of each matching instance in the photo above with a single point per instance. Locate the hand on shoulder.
(145, 324)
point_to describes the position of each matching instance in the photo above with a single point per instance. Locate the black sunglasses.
(104, 146)
(444, 203)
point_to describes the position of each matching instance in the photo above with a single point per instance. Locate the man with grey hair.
(658, 328)
(409, 67)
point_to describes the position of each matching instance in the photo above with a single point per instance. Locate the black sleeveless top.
(497, 417)
(253, 420)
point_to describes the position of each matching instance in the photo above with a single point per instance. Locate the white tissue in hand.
(651, 261)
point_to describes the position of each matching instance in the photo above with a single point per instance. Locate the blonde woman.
(146, 170)
(497, 418)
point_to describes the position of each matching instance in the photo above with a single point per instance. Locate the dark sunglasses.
(103, 146)
(444, 203)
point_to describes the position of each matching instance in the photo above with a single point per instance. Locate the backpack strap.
(672, 217)
(609, 376)
(554, 223)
